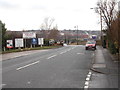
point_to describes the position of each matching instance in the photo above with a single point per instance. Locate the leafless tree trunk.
(47, 23)
(54, 33)
(108, 10)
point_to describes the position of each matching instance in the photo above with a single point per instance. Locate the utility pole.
(76, 28)
(77, 34)
(101, 26)
(118, 28)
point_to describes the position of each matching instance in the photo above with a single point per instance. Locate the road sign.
(9, 43)
(34, 41)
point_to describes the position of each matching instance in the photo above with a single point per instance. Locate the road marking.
(89, 73)
(68, 49)
(63, 52)
(87, 79)
(88, 76)
(2, 85)
(81, 53)
(85, 86)
(51, 56)
(27, 65)
(86, 83)
(29, 82)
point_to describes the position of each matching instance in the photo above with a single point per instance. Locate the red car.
(90, 45)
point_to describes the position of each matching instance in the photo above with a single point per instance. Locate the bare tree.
(107, 10)
(54, 33)
(47, 23)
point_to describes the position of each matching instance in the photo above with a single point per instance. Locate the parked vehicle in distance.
(90, 45)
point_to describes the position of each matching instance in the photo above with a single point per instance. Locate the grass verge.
(28, 49)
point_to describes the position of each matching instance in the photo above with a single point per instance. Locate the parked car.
(90, 45)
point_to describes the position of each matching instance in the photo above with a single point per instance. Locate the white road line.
(27, 65)
(89, 73)
(29, 82)
(86, 87)
(86, 83)
(88, 76)
(68, 49)
(87, 79)
(80, 53)
(2, 85)
(51, 56)
(63, 52)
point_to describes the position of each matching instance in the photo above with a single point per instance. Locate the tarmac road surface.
(65, 67)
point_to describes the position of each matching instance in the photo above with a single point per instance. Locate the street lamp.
(100, 22)
(77, 32)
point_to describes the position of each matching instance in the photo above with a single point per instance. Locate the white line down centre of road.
(27, 65)
(63, 52)
(51, 56)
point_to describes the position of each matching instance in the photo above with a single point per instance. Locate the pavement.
(105, 70)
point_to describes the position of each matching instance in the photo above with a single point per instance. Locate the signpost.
(34, 41)
(94, 37)
(9, 43)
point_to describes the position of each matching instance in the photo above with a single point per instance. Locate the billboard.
(19, 42)
(40, 41)
(29, 35)
(9, 43)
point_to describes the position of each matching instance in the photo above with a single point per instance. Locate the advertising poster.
(29, 35)
(9, 43)
(19, 42)
(40, 41)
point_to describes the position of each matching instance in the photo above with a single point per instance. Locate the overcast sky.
(29, 14)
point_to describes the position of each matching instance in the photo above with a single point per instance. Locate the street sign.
(9, 43)
(34, 41)
(94, 36)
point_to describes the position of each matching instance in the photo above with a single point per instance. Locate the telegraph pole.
(76, 28)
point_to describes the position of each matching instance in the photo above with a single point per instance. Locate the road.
(65, 67)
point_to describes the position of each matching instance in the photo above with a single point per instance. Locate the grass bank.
(28, 49)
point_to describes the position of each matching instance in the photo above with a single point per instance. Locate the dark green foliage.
(2, 32)
(112, 47)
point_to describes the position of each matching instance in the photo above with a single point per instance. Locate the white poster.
(19, 42)
(29, 35)
(9, 43)
(40, 41)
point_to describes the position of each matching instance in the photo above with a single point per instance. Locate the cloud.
(7, 5)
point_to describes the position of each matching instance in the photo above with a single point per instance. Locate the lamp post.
(76, 28)
(118, 28)
(100, 23)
